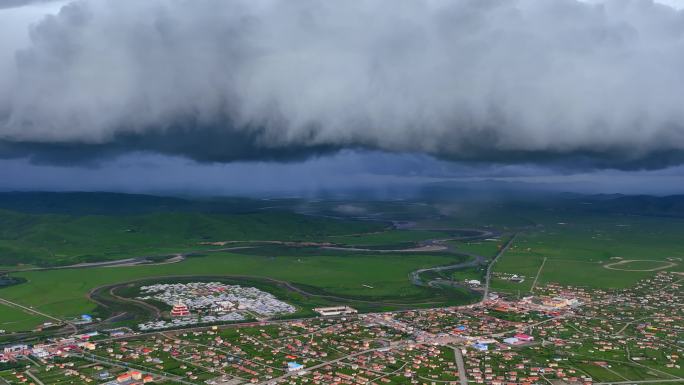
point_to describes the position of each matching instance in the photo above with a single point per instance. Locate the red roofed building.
(180, 310)
(524, 337)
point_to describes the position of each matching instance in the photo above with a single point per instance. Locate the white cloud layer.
(455, 78)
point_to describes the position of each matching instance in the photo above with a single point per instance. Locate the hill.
(106, 203)
(102, 228)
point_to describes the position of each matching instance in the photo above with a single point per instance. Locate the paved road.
(414, 276)
(458, 357)
(34, 378)
(488, 276)
(536, 277)
(31, 310)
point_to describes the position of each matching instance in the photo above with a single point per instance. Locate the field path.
(37, 312)
(488, 276)
(536, 278)
(614, 265)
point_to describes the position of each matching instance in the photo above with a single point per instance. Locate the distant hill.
(48, 229)
(531, 195)
(106, 203)
(671, 206)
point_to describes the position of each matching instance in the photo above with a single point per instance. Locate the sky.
(303, 96)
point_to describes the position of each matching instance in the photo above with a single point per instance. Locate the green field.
(485, 248)
(388, 238)
(575, 245)
(63, 292)
(577, 248)
(636, 265)
(14, 319)
(51, 240)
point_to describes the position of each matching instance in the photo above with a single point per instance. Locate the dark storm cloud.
(198, 142)
(348, 174)
(564, 81)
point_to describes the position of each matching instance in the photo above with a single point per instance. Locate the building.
(15, 348)
(517, 278)
(524, 337)
(559, 302)
(511, 341)
(335, 310)
(481, 347)
(294, 366)
(133, 377)
(180, 310)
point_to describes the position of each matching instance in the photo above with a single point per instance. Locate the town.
(209, 302)
(559, 335)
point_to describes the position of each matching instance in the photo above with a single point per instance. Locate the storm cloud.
(493, 80)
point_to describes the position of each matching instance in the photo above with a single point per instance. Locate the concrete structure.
(335, 310)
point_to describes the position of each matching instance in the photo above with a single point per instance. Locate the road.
(34, 378)
(536, 278)
(458, 357)
(38, 312)
(414, 276)
(488, 276)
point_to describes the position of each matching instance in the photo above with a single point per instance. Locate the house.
(481, 347)
(511, 341)
(524, 337)
(294, 366)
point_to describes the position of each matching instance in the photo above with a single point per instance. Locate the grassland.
(388, 238)
(574, 247)
(52, 240)
(63, 292)
(577, 249)
(14, 319)
(484, 247)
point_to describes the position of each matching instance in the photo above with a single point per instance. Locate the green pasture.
(63, 292)
(577, 250)
(600, 238)
(484, 248)
(15, 319)
(643, 265)
(51, 240)
(389, 238)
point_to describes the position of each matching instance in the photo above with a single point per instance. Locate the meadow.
(388, 238)
(556, 241)
(55, 239)
(14, 319)
(575, 249)
(63, 292)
